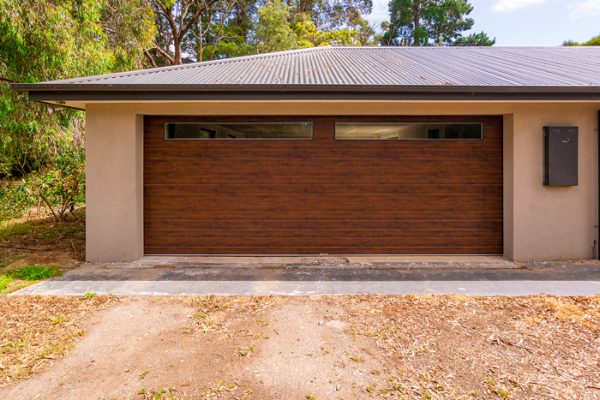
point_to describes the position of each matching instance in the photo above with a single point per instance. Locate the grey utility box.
(560, 155)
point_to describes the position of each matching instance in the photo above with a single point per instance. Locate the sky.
(526, 22)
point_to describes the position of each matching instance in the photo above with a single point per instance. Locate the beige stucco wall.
(553, 222)
(541, 222)
(114, 183)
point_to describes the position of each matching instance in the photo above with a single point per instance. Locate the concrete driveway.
(325, 275)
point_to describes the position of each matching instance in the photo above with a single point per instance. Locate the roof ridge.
(147, 71)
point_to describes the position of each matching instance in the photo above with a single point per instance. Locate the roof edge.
(156, 88)
(311, 93)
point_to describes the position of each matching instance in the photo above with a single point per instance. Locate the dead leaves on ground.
(452, 347)
(35, 331)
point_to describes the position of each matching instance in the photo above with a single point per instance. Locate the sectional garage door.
(322, 195)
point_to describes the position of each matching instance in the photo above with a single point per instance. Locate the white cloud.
(510, 5)
(586, 8)
(380, 12)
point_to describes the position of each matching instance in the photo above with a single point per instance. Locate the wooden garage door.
(323, 196)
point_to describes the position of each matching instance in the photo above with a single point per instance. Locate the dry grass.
(221, 314)
(455, 347)
(35, 331)
(41, 240)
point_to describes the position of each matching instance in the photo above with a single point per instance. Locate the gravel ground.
(319, 347)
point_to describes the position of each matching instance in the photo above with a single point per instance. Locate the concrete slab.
(303, 288)
(339, 262)
(559, 278)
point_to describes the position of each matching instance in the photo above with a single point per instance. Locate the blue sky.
(527, 22)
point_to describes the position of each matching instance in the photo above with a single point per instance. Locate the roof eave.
(102, 92)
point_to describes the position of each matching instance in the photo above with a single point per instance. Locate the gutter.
(132, 92)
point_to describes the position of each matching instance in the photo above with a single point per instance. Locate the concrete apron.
(338, 262)
(296, 276)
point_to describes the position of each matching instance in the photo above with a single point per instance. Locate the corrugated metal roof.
(415, 73)
(379, 66)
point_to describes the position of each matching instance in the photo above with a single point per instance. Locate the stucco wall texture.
(540, 222)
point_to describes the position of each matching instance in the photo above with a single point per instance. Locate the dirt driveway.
(355, 347)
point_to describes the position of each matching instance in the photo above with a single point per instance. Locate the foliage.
(129, 27)
(5, 282)
(475, 39)
(42, 40)
(308, 35)
(595, 41)
(329, 15)
(29, 273)
(273, 32)
(184, 27)
(34, 272)
(61, 187)
(199, 30)
(431, 22)
(14, 199)
(445, 20)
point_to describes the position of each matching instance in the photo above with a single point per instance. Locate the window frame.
(481, 124)
(309, 123)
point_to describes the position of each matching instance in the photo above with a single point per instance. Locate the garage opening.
(323, 185)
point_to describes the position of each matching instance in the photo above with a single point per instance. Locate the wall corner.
(114, 183)
(508, 185)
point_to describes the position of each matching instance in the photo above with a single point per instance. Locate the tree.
(129, 27)
(446, 20)
(174, 21)
(475, 39)
(330, 14)
(307, 34)
(273, 32)
(595, 41)
(431, 22)
(405, 28)
(43, 40)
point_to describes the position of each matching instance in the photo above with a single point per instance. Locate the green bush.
(61, 186)
(15, 199)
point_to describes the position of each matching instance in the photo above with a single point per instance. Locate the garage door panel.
(396, 249)
(187, 236)
(251, 189)
(334, 152)
(321, 177)
(441, 210)
(158, 213)
(278, 224)
(189, 170)
(275, 199)
(356, 242)
(323, 195)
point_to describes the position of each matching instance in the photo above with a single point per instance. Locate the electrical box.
(561, 155)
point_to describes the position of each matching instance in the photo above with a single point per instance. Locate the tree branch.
(150, 58)
(165, 54)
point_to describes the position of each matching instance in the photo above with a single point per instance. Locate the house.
(344, 150)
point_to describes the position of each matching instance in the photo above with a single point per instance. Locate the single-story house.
(344, 150)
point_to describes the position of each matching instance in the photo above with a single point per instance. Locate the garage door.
(323, 185)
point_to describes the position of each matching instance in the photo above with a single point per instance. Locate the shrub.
(14, 199)
(61, 186)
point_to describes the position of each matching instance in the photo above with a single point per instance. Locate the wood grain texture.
(323, 195)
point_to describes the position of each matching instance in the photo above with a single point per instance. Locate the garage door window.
(238, 131)
(408, 131)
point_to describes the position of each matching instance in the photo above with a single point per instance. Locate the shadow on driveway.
(555, 271)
